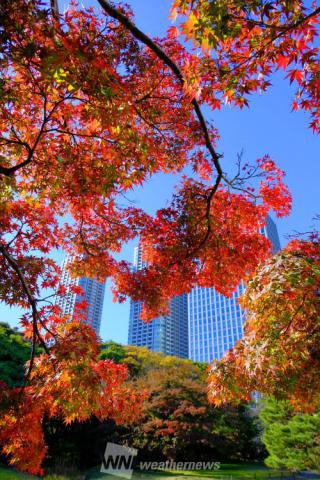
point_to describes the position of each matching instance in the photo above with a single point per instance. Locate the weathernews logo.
(118, 460)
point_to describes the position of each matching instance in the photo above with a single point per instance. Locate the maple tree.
(249, 40)
(177, 420)
(279, 354)
(90, 108)
(71, 383)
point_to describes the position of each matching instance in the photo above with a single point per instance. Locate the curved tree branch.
(284, 30)
(142, 37)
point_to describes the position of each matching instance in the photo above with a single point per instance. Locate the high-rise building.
(167, 334)
(215, 321)
(93, 294)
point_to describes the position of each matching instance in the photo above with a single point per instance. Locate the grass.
(9, 474)
(249, 471)
(236, 471)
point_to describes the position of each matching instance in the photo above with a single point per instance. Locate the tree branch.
(280, 34)
(33, 303)
(54, 9)
(9, 171)
(142, 37)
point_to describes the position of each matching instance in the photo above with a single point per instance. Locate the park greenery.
(237, 471)
(291, 440)
(90, 109)
(176, 421)
(14, 354)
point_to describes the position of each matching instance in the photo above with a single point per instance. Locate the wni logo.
(118, 460)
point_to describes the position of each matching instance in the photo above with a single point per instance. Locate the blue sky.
(268, 126)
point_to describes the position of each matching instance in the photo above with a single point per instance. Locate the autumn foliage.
(72, 384)
(279, 354)
(248, 41)
(178, 421)
(90, 108)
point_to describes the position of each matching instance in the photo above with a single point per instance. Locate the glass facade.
(215, 321)
(93, 294)
(168, 334)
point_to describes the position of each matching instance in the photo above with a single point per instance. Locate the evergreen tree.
(292, 440)
(14, 352)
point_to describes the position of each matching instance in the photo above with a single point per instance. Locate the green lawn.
(246, 471)
(8, 474)
(249, 471)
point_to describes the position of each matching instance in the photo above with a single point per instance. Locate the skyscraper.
(168, 334)
(93, 294)
(215, 321)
